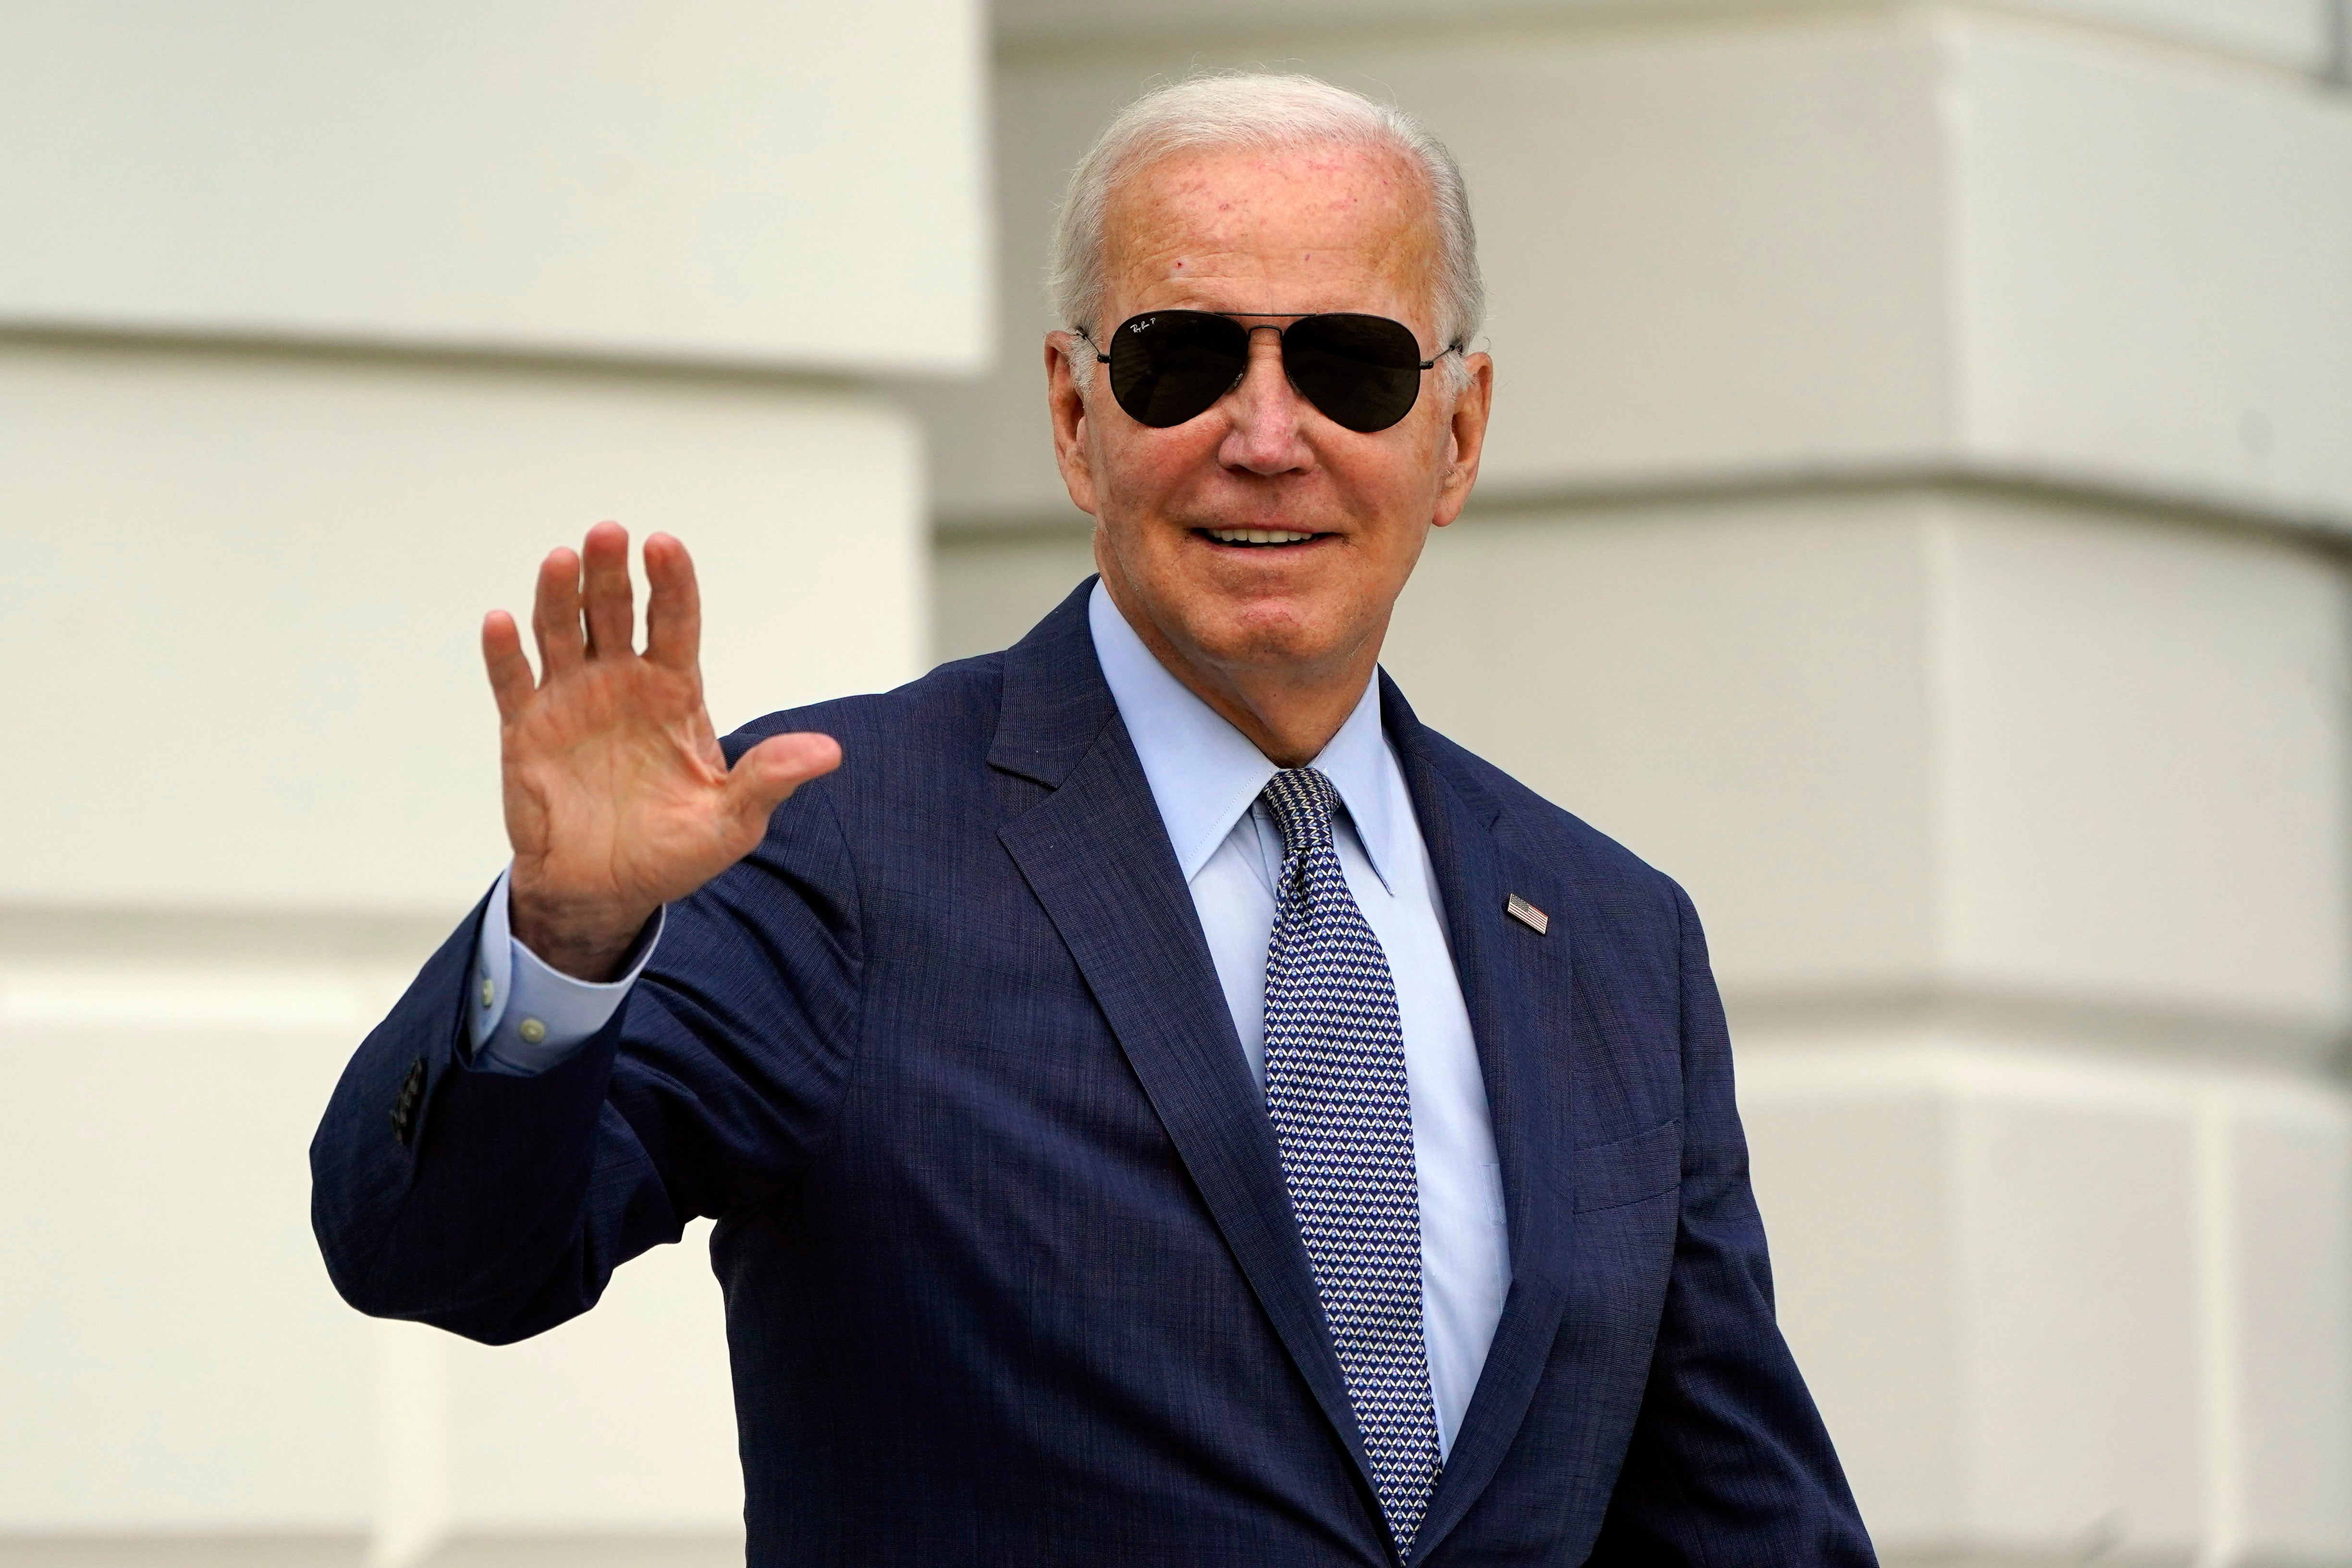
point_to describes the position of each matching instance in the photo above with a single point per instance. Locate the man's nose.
(1265, 410)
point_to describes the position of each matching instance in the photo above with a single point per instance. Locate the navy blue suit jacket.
(1010, 1272)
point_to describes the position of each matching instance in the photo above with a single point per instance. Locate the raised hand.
(617, 797)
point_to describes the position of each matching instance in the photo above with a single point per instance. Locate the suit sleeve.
(1729, 1464)
(497, 1205)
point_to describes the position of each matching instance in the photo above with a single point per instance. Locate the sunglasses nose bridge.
(1264, 409)
(1265, 362)
(1252, 354)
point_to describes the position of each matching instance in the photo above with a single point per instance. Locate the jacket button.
(404, 1105)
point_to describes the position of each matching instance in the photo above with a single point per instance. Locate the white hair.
(1264, 112)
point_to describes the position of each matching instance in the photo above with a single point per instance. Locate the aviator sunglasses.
(1169, 366)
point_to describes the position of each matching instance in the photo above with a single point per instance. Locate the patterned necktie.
(1335, 1086)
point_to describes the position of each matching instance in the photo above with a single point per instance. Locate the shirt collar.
(1204, 774)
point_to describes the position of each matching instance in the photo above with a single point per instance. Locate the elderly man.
(1161, 1104)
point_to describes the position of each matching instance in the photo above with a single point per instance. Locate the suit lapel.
(1097, 854)
(1516, 986)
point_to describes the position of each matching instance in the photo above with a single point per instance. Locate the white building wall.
(318, 326)
(1912, 519)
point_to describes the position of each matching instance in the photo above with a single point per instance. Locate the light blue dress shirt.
(1205, 778)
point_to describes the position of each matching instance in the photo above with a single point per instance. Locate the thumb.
(765, 776)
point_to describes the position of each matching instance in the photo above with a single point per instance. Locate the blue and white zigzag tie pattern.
(1335, 1086)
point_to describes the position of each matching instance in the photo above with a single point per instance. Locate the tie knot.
(1301, 800)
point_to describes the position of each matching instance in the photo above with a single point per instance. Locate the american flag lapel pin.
(1527, 914)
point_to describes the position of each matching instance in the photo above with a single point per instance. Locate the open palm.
(617, 797)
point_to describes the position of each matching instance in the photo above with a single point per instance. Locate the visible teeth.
(1258, 536)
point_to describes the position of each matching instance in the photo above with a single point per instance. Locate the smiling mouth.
(1257, 537)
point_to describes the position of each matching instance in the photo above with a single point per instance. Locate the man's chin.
(1274, 635)
(1284, 623)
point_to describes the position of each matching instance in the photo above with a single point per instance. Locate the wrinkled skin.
(1279, 638)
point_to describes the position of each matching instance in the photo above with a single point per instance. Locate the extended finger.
(555, 614)
(673, 605)
(766, 776)
(510, 681)
(612, 613)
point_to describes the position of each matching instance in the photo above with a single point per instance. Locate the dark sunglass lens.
(1169, 366)
(1364, 372)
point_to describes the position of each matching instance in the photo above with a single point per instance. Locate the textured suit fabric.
(1010, 1272)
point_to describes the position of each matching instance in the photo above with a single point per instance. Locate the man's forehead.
(1322, 210)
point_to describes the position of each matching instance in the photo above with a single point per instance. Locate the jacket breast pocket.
(1611, 1175)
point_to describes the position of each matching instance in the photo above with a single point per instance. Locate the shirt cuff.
(524, 1017)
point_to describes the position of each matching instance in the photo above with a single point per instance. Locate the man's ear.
(1465, 439)
(1066, 403)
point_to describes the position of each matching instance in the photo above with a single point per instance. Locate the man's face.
(1320, 228)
